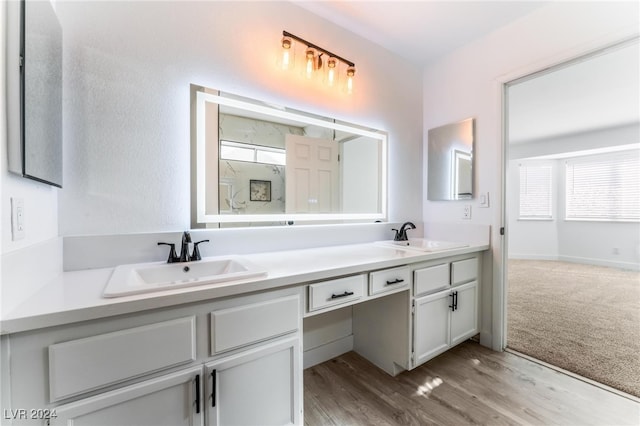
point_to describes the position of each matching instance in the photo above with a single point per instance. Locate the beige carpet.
(583, 318)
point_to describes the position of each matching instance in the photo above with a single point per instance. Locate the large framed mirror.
(256, 164)
(450, 161)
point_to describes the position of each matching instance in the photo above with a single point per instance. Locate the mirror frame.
(199, 218)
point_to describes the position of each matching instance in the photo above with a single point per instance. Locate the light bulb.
(287, 53)
(331, 71)
(351, 71)
(310, 56)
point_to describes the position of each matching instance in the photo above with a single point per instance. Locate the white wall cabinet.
(261, 386)
(171, 400)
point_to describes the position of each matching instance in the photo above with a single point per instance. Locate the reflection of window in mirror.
(252, 153)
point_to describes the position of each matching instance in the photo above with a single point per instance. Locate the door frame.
(550, 64)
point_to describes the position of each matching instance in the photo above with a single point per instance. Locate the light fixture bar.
(309, 44)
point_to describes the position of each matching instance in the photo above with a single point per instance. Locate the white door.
(171, 400)
(464, 318)
(260, 386)
(431, 326)
(312, 175)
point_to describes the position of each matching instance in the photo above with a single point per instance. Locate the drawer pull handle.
(345, 294)
(198, 394)
(396, 281)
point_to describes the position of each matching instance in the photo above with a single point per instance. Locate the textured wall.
(128, 67)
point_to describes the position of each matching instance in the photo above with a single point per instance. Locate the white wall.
(128, 66)
(468, 83)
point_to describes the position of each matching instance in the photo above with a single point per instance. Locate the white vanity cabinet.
(446, 312)
(171, 400)
(155, 368)
(261, 386)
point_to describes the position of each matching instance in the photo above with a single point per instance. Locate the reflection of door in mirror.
(461, 175)
(313, 171)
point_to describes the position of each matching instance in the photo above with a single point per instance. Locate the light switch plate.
(484, 200)
(17, 218)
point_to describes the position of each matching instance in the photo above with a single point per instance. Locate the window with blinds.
(604, 188)
(536, 191)
(252, 153)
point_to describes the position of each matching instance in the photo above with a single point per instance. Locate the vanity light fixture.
(314, 61)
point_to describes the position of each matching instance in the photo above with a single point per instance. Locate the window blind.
(604, 188)
(535, 191)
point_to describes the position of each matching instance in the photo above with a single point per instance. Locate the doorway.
(572, 270)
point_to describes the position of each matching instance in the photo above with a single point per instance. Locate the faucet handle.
(196, 252)
(172, 252)
(397, 236)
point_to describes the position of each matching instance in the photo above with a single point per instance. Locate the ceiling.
(420, 31)
(599, 93)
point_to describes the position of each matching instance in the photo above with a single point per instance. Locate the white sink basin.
(148, 277)
(426, 245)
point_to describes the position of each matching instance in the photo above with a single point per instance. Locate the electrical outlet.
(466, 213)
(17, 219)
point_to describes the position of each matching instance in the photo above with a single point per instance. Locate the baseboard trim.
(574, 375)
(600, 262)
(326, 352)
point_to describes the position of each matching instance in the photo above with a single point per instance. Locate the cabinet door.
(464, 319)
(431, 326)
(261, 386)
(172, 400)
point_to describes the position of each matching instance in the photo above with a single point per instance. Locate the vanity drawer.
(243, 325)
(463, 271)
(389, 280)
(86, 364)
(336, 292)
(433, 278)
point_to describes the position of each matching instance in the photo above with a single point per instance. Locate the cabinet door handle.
(455, 301)
(345, 294)
(214, 378)
(452, 306)
(396, 281)
(197, 394)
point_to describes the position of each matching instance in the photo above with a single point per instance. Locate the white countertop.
(77, 296)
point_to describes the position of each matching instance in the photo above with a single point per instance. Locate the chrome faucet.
(184, 250)
(401, 235)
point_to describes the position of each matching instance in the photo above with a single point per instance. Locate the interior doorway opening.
(572, 205)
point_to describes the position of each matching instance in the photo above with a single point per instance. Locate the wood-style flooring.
(468, 385)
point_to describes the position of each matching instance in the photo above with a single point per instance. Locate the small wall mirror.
(258, 164)
(34, 91)
(450, 161)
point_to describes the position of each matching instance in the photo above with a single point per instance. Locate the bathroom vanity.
(229, 353)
